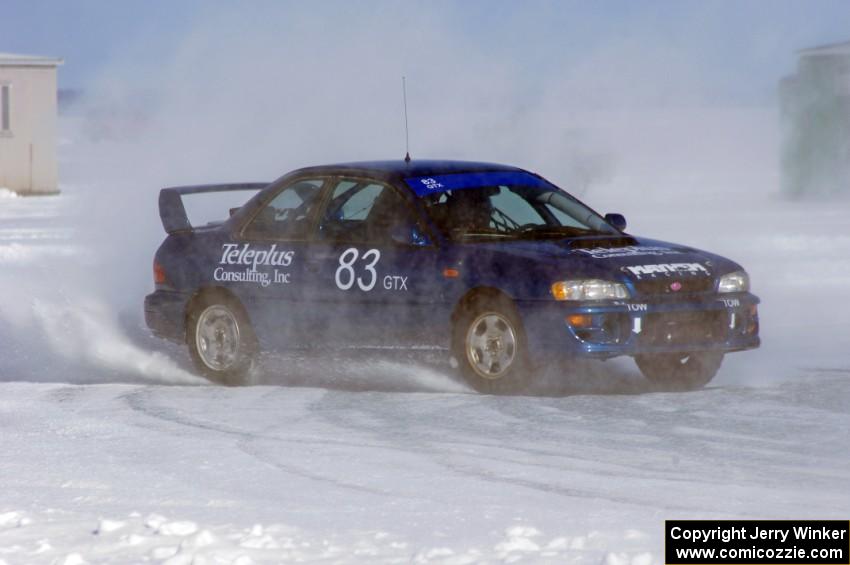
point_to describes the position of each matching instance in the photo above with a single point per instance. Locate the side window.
(364, 212)
(287, 215)
(360, 203)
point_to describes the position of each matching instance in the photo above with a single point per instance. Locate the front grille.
(684, 328)
(689, 285)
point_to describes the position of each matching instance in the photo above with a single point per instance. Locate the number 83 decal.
(346, 275)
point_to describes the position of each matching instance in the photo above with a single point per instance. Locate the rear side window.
(289, 214)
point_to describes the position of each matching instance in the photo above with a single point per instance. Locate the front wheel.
(221, 341)
(680, 371)
(490, 348)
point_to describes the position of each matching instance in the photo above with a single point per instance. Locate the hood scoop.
(602, 242)
(591, 244)
(622, 247)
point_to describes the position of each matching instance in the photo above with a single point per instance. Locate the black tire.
(221, 340)
(492, 323)
(680, 371)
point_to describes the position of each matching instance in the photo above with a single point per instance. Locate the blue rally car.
(493, 264)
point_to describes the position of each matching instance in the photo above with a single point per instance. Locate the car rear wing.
(173, 213)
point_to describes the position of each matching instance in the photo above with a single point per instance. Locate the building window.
(5, 103)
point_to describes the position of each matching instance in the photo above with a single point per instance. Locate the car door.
(269, 256)
(377, 281)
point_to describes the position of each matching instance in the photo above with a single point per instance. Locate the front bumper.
(634, 327)
(165, 314)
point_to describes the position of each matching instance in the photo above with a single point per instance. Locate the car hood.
(640, 262)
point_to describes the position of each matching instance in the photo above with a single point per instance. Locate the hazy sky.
(744, 46)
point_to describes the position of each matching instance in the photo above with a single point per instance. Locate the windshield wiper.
(527, 232)
(460, 234)
(556, 231)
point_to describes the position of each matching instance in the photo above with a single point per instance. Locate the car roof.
(401, 169)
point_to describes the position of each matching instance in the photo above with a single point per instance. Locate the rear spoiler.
(173, 213)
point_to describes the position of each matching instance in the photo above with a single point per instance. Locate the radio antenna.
(406, 130)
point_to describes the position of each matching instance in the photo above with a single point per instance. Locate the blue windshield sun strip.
(432, 184)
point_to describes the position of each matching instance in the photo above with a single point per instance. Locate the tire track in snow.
(64, 394)
(247, 446)
(429, 439)
(641, 423)
(420, 446)
(139, 401)
(171, 416)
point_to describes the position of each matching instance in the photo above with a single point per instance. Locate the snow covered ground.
(112, 452)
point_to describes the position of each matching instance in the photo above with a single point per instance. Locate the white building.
(28, 123)
(815, 104)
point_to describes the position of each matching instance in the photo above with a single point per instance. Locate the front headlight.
(739, 281)
(588, 289)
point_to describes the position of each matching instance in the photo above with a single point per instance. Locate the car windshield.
(512, 211)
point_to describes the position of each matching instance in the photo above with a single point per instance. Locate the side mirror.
(616, 220)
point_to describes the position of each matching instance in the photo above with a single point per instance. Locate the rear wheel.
(221, 341)
(680, 371)
(489, 346)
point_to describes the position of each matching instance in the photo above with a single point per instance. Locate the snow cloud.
(646, 121)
